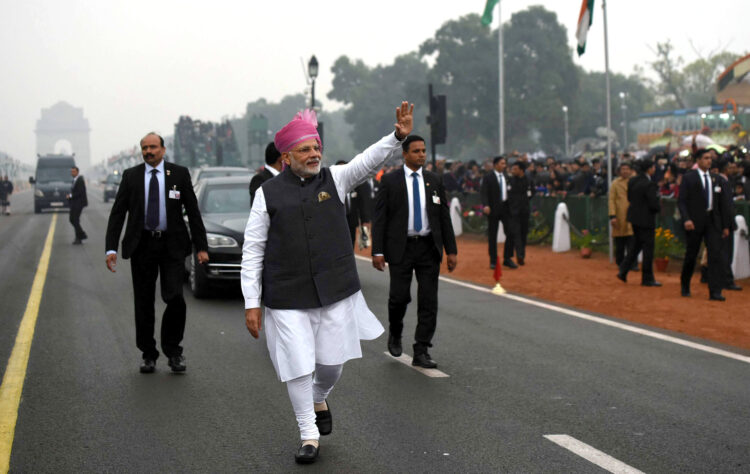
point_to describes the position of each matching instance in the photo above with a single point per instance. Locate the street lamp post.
(567, 138)
(624, 108)
(312, 71)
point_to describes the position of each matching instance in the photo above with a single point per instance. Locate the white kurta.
(299, 338)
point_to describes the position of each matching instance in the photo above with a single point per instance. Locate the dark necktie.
(417, 203)
(152, 210)
(706, 191)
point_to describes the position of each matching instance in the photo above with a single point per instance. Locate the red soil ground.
(591, 285)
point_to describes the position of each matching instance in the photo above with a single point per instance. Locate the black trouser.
(421, 259)
(643, 239)
(353, 232)
(519, 230)
(75, 220)
(621, 244)
(152, 259)
(712, 238)
(493, 222)
(727, 252)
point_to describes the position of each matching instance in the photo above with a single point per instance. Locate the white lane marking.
(593, 455)
(596, 319)
(406, 360)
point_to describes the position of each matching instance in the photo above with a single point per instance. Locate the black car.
(52, 182)
(219, 171)
(111, 183)
(225, 206)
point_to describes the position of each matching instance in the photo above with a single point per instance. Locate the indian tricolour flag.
(584, 22)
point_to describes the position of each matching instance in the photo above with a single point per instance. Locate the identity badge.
(174, 194)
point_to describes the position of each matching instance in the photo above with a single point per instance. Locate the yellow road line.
(15, 372)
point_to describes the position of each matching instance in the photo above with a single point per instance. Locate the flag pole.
(609, 122)
(501, 105)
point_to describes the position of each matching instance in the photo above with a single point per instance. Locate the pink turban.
(304, 126)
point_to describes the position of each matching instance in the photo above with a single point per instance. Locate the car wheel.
(197, 278)
(37, 209)
(106, 199)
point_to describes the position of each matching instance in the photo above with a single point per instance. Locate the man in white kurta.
(323, 331)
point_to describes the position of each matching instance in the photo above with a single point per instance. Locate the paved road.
(517, 373)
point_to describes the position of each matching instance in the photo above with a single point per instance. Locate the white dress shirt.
(503, 186)
(162, 196)
(274, 172)
(422, 202)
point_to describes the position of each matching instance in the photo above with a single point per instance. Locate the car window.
(113, 179)
(56, 173)
(226, 199)
(217, 174)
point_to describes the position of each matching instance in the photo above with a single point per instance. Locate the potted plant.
(584, 242)
(665, 244)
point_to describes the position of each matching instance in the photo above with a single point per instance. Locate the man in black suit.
(727, 244)
(643, 206)
(272, 168)
(494, 196)
(412, 226)
(706, 218)
(153, 195)
(520, 191)
(78, 201)
(358, 207)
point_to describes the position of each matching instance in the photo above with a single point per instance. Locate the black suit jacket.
(259, 178)
(489, 193)
(519, 193)
(360, 205)
(130, 200)
(644, 201)
(391, 220)
(78, 198)
(692, 203)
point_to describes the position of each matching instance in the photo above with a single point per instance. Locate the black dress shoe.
(77, 242)
(394, 345)
(685, 292)
(510, 264)
(650, 283)
(733, 287)
(306, 454)
(716, 297)
(148, 366)
(177, 363)
(623, 277)
(521, 261)
(324, 421)
(424, 360)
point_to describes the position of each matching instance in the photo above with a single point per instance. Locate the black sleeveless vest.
(309, 259)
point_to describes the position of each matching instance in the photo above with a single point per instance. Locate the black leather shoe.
(77, 242)
(685, 292)
(177, 363)
(622, 277)
(510, 264)
(324, 421)
(424, 360)
(306, 454)
(148, 366)
(733, 287)
(650, 283)
(521, 261)
(717, 297)
(394, 345)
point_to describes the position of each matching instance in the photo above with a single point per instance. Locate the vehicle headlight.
(39, 193)
(217, 240)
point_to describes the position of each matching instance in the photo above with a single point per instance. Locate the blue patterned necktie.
(417, 203)
(152, 211)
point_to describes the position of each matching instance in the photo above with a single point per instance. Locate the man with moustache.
(411, 228)
(153, 196)
(298, 256)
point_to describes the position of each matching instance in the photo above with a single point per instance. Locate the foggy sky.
(135, 66)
